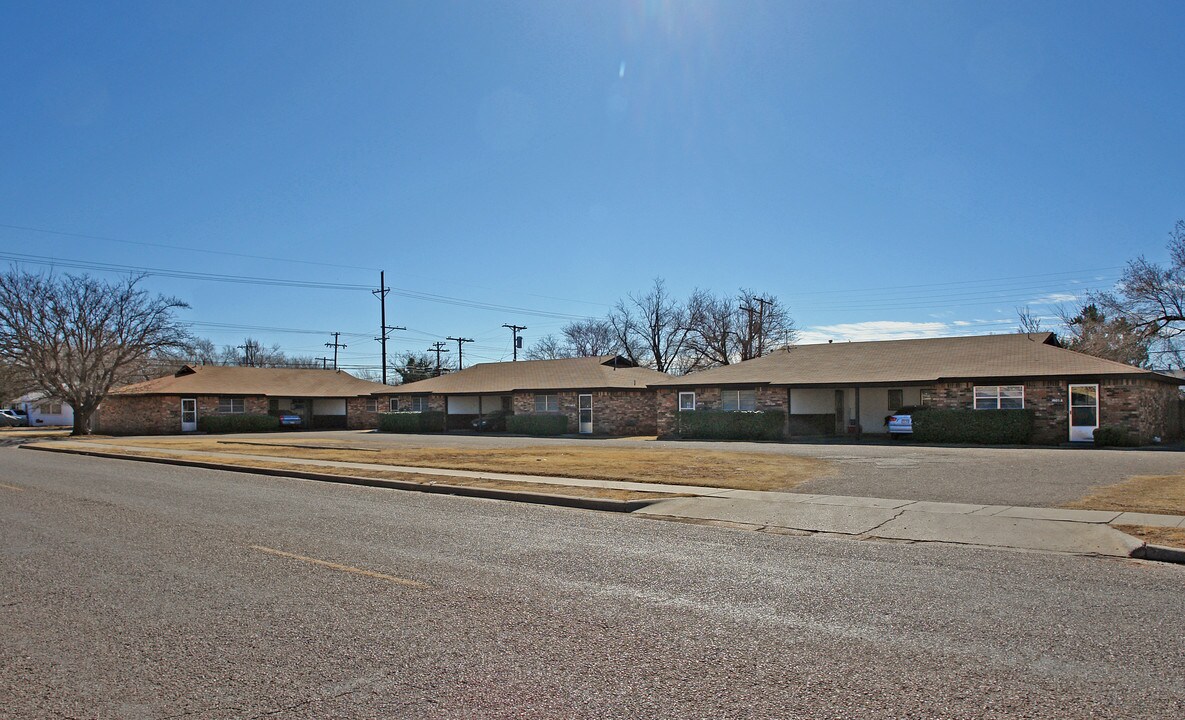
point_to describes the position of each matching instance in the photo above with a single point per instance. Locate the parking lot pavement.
(1038, 477)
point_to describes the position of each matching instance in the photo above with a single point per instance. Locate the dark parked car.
(9, 418)
(491, 421)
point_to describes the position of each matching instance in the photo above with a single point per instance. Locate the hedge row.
(997, 427)
(720, 425)
(1111, 436)
(541, 424)
(238, 422)
(412, 422)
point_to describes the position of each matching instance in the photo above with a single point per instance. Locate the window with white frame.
(417, 404)
(686, 401)
(547, 403)
(738, 400)
(999, 397)
(372, 404)
(50, 408)
(231, 405)
(393, 405)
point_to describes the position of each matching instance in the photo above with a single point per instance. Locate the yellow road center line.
(12, 487)
(342, 568)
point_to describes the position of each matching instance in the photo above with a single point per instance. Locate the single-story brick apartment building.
(603, 395)
(849, 388)
(174, 403)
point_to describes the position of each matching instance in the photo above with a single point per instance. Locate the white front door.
(188, 414)
(1084, 412)
(585, 407)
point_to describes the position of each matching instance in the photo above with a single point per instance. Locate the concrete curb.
(1160, 553)
(571, 501)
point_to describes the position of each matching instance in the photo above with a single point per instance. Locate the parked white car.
(901, 422)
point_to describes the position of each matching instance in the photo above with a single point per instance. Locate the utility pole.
(324, 362)
(335, 345)
(459, 341)
(518, 342)
(438, 347)
(384, 328)
(748, 349)
(762, 302)
(246, 354)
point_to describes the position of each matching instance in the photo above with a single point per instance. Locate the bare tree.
(253, 353)
(549, 347)
(76, 337)
(713, 333)
(590, 338)
(650, 329)
(725, 330)
(768, 325)
(1027, 322)
(1150, 297)
(12, 384)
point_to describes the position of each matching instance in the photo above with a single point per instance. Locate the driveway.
(1039, 477)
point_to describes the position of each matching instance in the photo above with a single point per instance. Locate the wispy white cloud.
(904, 330)
(1053, 299)
(873, 330)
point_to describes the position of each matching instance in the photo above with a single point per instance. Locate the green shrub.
(238, 422)
(985, 427)
(541, 424)
(721, 425)
(412, 422)
(1111, 436)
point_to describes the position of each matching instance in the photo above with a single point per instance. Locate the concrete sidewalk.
(1028, 528)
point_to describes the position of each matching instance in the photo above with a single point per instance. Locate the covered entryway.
(188, 414)
(586, 414)
(1084, 412)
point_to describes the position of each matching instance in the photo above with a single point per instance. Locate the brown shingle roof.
(908, 361)
(589, 373)
(272, 382)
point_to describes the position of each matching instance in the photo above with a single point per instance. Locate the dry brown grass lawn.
(1172, 537)
(1160, 494)
(747, 471)
(1163, 494)
(545, 488)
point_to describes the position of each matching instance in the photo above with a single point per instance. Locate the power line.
(280, 282)
(164, 246)
(268, 328)
(181, 274)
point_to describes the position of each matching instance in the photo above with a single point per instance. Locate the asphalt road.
(1031, 476)
(146, 591)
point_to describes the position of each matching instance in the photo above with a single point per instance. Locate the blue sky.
(888, 169)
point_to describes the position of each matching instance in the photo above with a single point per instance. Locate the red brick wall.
(359, 418)
(1144, 408)
(159, 414)
(708, 398)
(615, 412)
